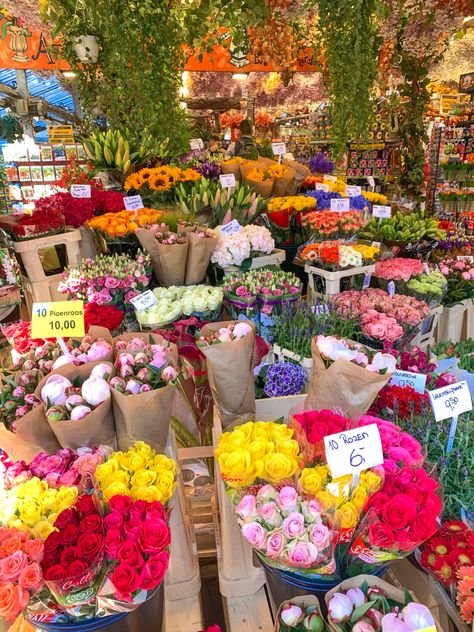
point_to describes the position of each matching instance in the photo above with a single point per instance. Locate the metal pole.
(22, 87)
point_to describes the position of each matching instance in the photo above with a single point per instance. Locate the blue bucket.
(81, 626)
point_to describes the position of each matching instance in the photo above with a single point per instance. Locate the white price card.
(376, 244)
(279, 149)
(288, 156)
(367, 279)
(329, 178)
(340, 205)
(230, 228)
(353, 191)
(133, 203)
(469, 258)
(371, 182)
(426, 268)
(407, 378)
(320, 186)
(450, 401)
(353, 451)
(80, 190)
(144, 300)
(391, 288)
(227, 180)
(196, 144)
(384, 212)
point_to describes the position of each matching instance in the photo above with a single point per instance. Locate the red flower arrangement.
(310, 429)
(19, 337)
(102, 315)
(39, 224)
(403, 401)
(74, 173)
(76, 211)
(451, 548)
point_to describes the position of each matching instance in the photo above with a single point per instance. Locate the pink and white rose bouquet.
(248, 242)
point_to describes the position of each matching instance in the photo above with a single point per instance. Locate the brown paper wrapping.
(263, 188)
(230, 370)
(283, 183)
(96, 428)
(199, 255)
(155, 339)
(32, 436)
(301, 173)
(233, 168)
(344, 386)
(169, 262)
(303, 601)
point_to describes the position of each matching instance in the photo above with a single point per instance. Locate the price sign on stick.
(133, 203)
(383, 212)
(196, 144)
(367, 279)
(53, 320)
(353, 451)
(320, 186)
(80, 190)
(340, 205)
(227, 180)
(144, 300)
(407, 378)
(329, 178)
(230, 228)
(353, 191)
(391, 288)
(450, 400)
(279, 149)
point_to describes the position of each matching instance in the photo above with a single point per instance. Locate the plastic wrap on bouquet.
(243, 308)
(271, 307)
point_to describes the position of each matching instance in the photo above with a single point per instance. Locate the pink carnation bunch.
(398, 269)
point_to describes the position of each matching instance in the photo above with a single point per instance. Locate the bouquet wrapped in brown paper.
(133, 341)
(24, 431)
(301, 173)
(283, 178)
(96, 345)
(229, 349)
(256, 176)
(78, 404)
(346, 376)
(168, 254)
(202, 243)
(142, 389)
(233, 166)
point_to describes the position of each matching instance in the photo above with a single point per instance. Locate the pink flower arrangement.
(398, 269)
(234, 331)
(381, 327)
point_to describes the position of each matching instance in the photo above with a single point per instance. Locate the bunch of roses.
(19, 337)
(136, 541)
(451, 547)
(76, 211)
(406, 310)
(33, 506)
(332, 349)
(285, 527)
(398, 269)
(20, 571)
(262, 284)
(65, 468)
(107, 278)
(18, 399)
(75, 549)
(246, 243)
(311, 427)
(169, 238)
(144, 370)
(65, 401)
(38, 224)
(103, 316)
(379, 326)
(234, 331)
(140, 473)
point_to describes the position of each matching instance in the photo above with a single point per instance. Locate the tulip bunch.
(18, 398)
(293, 616)
(65, 401)
(333, 349)
(370, 608)
(142, 367)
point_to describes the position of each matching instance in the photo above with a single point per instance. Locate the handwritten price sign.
(353, 451)
(80, 190)
(133, 202)
(407, 378)
(340, 205)
(450, 401)
(144, 300)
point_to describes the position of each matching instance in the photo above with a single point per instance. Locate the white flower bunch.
(349, 257)
(176, 301)
(231, 250)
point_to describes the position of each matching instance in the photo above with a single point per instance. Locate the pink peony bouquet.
(333, 349)
(18, 397)
(234, 331)
(398, 269)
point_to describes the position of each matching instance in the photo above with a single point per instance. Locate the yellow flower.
(257, 175)
(66, 497)
(48, 500)
(106, 470)
(32, 488)
(237, 468)
(166, 485)
(29, 512)
(144, 449)
(149, 494)
(142, 478)
(280, 432)
(340, 487)
(259, 449)
(371, 481)
(289, 447)
(326, 500)
(159, 182)
(279, 467)
(42, 529)
(114, 489)
(310, 481)
(52, 517)
(162, 463)
(18, 524)
(190, 175)
(133, 181)
(136, 461)
(359, 497)
(347, 516)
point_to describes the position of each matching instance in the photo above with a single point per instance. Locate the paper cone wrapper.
(355, 582)
(144, 417)
(233, 168)
(301, 173)
(230, 370)
(199, 255)
(102, 332)
(346, 387)
(282, 184)
(169, 262)
(263, 188)
(97, 428)
(149, 338)
(303, 602)
(266, 162)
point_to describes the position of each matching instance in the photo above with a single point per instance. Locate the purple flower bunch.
(210, 169)
(284, 378)
(320, 164)
(323, 198)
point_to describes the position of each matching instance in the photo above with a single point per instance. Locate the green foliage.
(10, 129)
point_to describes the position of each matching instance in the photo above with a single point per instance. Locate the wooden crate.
(332, 279)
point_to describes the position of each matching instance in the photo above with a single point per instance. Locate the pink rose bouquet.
(398, 269)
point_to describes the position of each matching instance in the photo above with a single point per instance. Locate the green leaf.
(246, 263)
(359, 612)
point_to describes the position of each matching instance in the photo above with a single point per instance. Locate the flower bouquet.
(229, 348)
(460, 277)
(168, 253)
(328, 224)
(202, 243)
(300, 614)
(142, 393)
(38, 224)
(257, 178)
(157, 186)
(114, 231)
(334, 255)
(285, 216)
(106, 316)
(363, 372)
(233, 166)
(241, 247)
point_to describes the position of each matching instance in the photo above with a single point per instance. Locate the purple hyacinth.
(320, 164)
(284, 378)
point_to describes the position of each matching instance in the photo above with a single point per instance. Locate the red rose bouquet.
(311, 426)
(19, 337)
(102, 315)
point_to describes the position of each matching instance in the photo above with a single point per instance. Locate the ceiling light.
(240, 76)
(69, 74)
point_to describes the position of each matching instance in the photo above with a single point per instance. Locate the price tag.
(381, 211)
(288, 156)
(144, 300)
(340, 205)
(53, 320)
(407, 378)
(450, 401)
(80, 190)
(328, 178)
(366, 282)
(469, 258)
(353, 451)
(196, 144)
(426, 268)
(227, 180)
(371, 181)
(353, 191)
(230, 228)
(376, 244)
(322, 187)
(133, 203)
(279, 149)
(391, 288)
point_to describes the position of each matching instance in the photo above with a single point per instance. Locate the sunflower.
(145, 174)
(172, 173)
(133, 181)
(467, 609)
(189, 175)
(159, 182)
